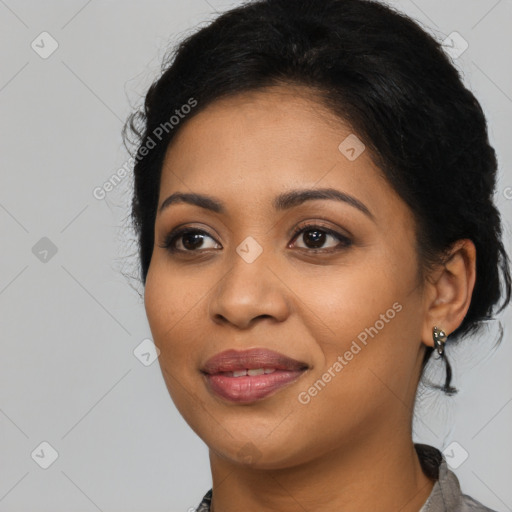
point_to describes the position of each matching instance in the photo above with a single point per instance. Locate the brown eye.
(315, 237)
(189, 239)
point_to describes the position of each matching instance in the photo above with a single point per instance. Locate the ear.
(449, 289)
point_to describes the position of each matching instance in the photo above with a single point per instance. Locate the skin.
(350, 447)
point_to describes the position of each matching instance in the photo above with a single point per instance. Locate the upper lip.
(233, 360)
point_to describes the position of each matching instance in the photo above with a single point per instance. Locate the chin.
(261, 455)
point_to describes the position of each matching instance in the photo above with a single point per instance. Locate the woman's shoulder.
(446, 495)
(204, 506)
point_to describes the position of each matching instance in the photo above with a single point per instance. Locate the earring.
(439, 340)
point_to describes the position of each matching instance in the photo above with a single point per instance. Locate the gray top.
(446, 495)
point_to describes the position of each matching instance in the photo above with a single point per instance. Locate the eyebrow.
(282, 202)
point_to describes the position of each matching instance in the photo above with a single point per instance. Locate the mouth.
(253, 372)
(250, 375)
(231, 361)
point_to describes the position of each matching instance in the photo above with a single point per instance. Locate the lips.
(233, 361)
(250, 375)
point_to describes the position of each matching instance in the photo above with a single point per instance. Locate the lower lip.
(250, 388)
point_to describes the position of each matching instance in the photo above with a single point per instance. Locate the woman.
(313, 203)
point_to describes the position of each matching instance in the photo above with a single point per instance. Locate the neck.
(371, 476)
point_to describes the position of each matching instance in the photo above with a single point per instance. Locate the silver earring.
(439, 340)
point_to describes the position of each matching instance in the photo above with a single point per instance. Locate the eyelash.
(345, 242)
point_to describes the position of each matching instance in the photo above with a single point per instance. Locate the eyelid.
(171, 237)
(345, 240)
(324, 224)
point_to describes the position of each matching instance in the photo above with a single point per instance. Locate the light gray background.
(70, 324)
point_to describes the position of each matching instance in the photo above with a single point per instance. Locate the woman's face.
(341, 296)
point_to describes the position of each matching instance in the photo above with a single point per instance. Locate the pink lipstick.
(250, 375)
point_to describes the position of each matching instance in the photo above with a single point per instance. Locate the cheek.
(176, 307)
(164, 309)
(170, 298)
(158, 302)
(350, 298)
(369, 315)
(172, 313)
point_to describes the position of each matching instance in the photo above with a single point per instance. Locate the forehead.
(271, 109)
(255, 145)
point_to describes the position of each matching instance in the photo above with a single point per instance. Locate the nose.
(249, 292)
